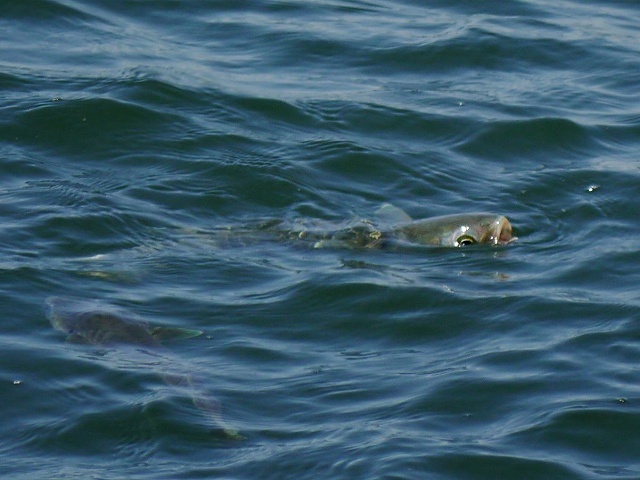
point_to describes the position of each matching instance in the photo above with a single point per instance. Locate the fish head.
(479, 228)
(459, 230)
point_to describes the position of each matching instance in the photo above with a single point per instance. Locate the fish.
(93, 323)
(390, 229)
(457, 230)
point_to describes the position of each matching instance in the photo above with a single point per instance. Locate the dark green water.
(132, 131)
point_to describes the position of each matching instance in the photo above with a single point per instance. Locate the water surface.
(130, 131)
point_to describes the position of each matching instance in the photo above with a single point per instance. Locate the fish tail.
(205, 403)
(212, 408)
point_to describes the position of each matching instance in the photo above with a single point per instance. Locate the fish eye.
(465, 240)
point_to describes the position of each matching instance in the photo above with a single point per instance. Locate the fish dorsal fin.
(390, 215)
(164, 334)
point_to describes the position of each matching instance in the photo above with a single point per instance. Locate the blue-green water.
(130, 131)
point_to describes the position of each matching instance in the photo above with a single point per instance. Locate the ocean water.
(132, 133)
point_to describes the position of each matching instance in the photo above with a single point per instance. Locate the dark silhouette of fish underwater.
(96, 324)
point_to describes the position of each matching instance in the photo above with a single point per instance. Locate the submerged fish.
(390, 229)
(90, 322)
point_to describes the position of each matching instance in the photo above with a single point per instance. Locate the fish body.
(85, 322)
(392, 229)
(91, 322)
(95, 324)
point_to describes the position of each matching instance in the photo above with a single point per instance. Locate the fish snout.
(503, 232)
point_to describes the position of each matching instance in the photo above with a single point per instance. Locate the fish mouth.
(502, 232)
